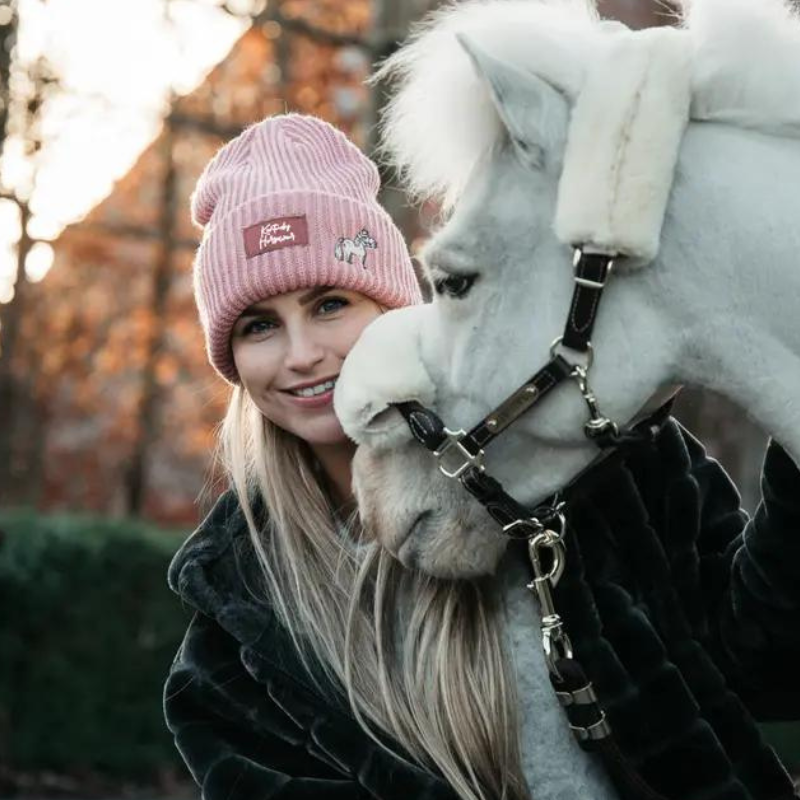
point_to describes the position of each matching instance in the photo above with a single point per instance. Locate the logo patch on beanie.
(275, 234)
(348, 249)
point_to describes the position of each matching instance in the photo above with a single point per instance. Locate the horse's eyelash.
(439, 274)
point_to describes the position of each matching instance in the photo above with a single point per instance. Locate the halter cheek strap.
(592, 270)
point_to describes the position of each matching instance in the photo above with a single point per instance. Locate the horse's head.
(363, 237)
(503, 283)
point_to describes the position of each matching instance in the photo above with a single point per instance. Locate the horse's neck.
(732, 256)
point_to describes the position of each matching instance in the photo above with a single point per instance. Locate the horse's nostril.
(419, 523)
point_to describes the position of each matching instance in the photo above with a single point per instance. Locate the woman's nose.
(304, 351)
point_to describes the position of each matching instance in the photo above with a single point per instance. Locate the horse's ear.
(534, 113)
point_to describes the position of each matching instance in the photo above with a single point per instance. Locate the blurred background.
(109, 110)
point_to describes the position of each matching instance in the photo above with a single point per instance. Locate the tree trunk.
(148, 427)
(392, 22)
(11, 394)
(638, 13)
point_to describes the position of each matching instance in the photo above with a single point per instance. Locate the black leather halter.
(460, 453)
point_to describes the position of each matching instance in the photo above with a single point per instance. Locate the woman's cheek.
(254, 362)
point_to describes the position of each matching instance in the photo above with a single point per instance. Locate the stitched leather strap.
(425, 425)
(501, 506)
(591, 273)
(533, 391)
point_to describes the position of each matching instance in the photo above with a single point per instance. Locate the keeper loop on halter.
(603, 273)
(591, 273)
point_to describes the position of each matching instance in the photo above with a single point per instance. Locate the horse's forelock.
(440, 122)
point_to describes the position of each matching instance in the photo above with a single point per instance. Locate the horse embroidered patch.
(275, 234)
(348, 249)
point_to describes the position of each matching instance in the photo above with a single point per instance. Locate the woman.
(296, 259)
(316, 667)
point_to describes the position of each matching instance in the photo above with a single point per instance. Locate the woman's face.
(289, 350)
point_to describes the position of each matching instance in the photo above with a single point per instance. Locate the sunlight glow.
(118, 65)
(38, 261)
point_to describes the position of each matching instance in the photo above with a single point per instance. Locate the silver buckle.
(453, 439)
(523, 528)
(585, 281)
(589, 353)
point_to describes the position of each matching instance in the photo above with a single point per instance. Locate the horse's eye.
(454, 285)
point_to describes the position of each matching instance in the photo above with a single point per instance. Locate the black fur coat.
(685, 615)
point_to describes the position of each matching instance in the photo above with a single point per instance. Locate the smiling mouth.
(315, 390)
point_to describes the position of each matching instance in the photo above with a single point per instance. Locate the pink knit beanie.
(289, 204)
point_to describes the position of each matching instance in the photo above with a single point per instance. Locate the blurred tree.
(148, 429)
(324, 24)
(8, 35)
(393, 21)
(269, 18)
(129, 398)
(25, 91)
(9, 20)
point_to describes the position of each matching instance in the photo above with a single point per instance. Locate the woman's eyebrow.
(256, 311)
(313, 294)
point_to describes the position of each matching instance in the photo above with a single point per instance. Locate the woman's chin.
(322, 433)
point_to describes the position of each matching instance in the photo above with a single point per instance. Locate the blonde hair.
(421, 659)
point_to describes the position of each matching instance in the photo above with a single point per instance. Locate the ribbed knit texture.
(287, 167)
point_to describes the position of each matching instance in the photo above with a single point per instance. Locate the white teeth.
(320, 388)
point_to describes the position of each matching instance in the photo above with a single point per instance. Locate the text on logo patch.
(275, 234)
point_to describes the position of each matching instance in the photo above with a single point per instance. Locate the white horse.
(486, 115)
(348, 249)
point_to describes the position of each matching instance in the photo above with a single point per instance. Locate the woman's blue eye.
(258, 326)
(331, 304)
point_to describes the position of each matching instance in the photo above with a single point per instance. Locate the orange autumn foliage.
(88, 333)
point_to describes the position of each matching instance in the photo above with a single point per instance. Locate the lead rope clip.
(555, 642)
(574, 691)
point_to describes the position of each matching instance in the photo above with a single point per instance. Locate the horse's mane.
(440, 122)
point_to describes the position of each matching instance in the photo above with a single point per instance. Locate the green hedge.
(88, 629)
